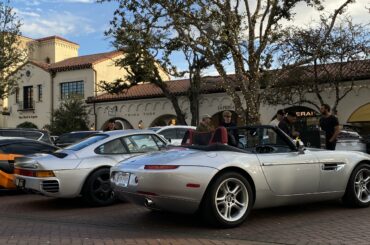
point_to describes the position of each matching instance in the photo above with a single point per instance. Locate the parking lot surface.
(34, 219)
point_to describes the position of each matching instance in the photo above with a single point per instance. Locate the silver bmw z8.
(225, 183)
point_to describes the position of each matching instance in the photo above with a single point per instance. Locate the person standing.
(233, 135)
(330, 124)
(279, 116)
(205, 125)
(287, 125)
(110, 125)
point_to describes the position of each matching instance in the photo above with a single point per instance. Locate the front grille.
(50, 186)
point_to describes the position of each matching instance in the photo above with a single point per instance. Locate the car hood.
(176, 156)
(56, 161)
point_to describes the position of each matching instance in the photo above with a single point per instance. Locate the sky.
(84, 21)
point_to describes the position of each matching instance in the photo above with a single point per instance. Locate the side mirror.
(169, 140)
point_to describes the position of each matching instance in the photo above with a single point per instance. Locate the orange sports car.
(10, 148)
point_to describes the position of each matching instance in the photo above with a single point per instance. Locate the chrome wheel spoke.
(367, 180)
(227, 212)
(220, 200)
(357, 183)
(236, 190)
(239, 205)
(359, 194)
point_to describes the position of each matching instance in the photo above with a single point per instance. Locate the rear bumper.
(7, 180)
(171, 204)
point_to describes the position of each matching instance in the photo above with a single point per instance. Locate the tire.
(97, 190)
(221, 207)
(357, 193)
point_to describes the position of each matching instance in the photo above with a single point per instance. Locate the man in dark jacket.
(233, 135)
(329, 123)
(287, 125)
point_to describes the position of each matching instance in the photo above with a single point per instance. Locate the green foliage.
(11, 55)
(244, 32)
(26, 125)
(70, 116)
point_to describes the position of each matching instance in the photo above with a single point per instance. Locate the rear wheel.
(228, 201)
(97, 189)
(358, 187)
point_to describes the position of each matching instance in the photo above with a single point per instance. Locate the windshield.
(89, 141)
(73, 137)
(155, 129)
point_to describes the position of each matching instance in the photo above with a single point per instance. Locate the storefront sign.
(27, 117)
(305, 113)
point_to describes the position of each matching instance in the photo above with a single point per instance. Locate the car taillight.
(160, 167)
(34, 173)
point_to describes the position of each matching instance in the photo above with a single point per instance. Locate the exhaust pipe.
(148, 203)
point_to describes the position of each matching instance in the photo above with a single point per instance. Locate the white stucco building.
(53, 73)
(147, 103)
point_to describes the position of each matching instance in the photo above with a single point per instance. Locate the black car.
(21, 146)
(29, 133)
(72, 137)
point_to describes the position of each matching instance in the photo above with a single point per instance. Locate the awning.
(362, 114)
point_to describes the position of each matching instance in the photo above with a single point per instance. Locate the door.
(287, 171)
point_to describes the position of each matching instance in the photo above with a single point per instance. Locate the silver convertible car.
(225, 183)
(82, 169)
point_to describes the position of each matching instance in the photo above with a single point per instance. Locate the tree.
(70, 116)
(27, 125)
(11, 53)
(337, 61)
(148, 47)
(248, 30)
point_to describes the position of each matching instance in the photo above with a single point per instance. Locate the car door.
(287, 171)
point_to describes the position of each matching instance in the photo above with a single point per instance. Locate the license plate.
(121, 179)
(20, 183)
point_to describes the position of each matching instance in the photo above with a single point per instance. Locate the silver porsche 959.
(225, 182)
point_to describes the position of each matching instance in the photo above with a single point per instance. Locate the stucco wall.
(107, 71)
(41, 115)
(86, 75)
(149, 109)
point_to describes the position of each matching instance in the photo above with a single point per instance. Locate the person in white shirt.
(279, 116)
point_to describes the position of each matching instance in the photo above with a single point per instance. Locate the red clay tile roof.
(55, 37)
(82, 62)
(356, 70)
(42, 65)
(211, 84)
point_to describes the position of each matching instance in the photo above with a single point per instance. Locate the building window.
(71, 89)
(28, 97)
(17, 95)
(39, 89)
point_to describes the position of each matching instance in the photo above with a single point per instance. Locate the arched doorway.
(361, 118)
(119, 122)
(164, 120)
(217, 118)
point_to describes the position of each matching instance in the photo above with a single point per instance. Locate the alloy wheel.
(231, 199)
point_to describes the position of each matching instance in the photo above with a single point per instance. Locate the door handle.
(267, 164)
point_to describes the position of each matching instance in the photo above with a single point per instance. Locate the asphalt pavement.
(34, 219)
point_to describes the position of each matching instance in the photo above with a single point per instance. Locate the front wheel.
(358, 187)
(97, 190)
(228, 201)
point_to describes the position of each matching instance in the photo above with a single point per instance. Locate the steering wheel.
(265, 149)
